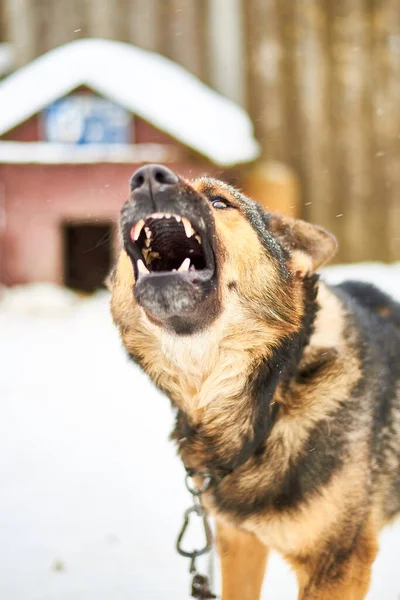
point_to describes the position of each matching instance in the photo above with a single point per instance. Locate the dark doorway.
(87, 255)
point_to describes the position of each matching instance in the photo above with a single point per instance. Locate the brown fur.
(324, 517)
(243, 561)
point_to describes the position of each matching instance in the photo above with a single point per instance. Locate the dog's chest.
(197, 370)
(289, 532)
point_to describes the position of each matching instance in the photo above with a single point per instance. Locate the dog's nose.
(152, 177)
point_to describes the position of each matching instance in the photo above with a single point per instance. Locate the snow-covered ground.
(92, 493)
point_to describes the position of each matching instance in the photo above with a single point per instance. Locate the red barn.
(74, 125)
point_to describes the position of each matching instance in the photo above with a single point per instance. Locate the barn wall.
(30, 131)
(38, 200)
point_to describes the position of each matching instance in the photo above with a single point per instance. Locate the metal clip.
(195, 491)
(198, 509)
(200, 583)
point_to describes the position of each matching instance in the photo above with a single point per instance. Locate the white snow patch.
(382, 275)
(37, 298)
(90, 484)
(51, 153)
(145, 83)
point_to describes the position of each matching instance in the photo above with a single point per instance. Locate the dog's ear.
(309, 246)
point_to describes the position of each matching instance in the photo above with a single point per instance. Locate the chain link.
(200, 583)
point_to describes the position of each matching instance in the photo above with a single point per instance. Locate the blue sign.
(86, 119)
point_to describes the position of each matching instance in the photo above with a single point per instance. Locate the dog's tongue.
(168, 238)
(166, 234)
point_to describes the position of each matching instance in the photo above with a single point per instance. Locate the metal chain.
(200, 583)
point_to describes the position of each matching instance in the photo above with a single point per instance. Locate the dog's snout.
(153, 177)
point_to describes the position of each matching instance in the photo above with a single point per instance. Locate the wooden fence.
(320, 78)
(187, 31)
(324, 82)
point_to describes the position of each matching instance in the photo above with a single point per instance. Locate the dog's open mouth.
(169, 243)
(169, 234)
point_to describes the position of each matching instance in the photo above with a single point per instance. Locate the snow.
(92, 493)
(145, 83)
(37, 298)
(50, 153)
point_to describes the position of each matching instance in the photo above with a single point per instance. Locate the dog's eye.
(219, 202)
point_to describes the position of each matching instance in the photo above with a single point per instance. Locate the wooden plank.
(351, 126)
(121, 20)
(48, 31)
(292, 124)
(101, 18)
(75, 19)
(52, 24)
(386, 125)
(21, 31)
(264, 65)
(63, 22)
(312, 87)
(225, 45)
(143, 20)
(42, 25)
(3, 23)
(183, 35)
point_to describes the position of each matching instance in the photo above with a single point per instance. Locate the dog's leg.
(243, 558)
(340, 574)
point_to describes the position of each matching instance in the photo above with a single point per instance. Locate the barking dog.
(286, 390)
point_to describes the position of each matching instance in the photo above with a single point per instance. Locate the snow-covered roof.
(49, 153)
(147, 84)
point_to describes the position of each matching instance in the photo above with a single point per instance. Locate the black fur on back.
(377, 317)
(373, 299)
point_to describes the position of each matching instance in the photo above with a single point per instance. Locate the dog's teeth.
(167, 216)
(147, 242)
(198, 238)
(188, 227)
(185, 265)
(177, 217)
(145, 253)
(147, 232)
(142, 268)
(135, 231)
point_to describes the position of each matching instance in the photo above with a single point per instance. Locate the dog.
(287, 390)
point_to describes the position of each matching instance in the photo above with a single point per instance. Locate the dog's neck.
(237, 399)
(223, 381)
